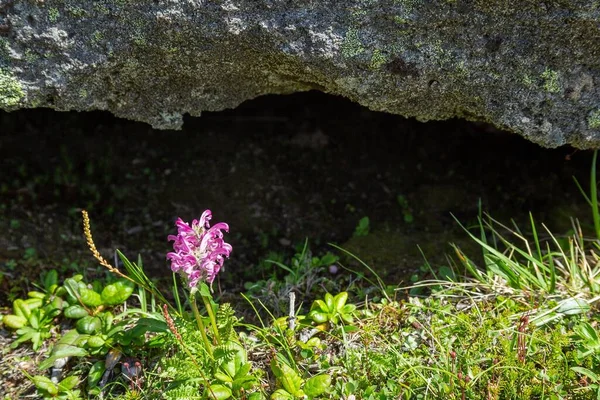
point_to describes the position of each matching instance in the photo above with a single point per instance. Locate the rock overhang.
(531, 68)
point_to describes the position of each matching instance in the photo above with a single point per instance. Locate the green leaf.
(319, 305)
(36, 295)
(329, 302)
(243, 370)
(144, 325)
(586, 372)
(24, 334)
(587, 332)
(219, 392)
(317, 385)
(34, 319)
(36, 341)
(362, 229)
(50, 279)
(223, 377)
(204, 290)
(281, 394)
(318, 316)
(21, 309)
(446, 273)
(95, 342)
(71, 285)
(348, 309)
(33, 303)
(339, 301)
(573, 306)
(68, 383)
(89, 325)
(45, 385)
(70, 337)
(235, 356)
(107, 320)
(62, 352)
(247, 382)
(348, 318)
(14, 321)
(117, 293)
(256, 396)
(58, 303)
(89, 297)
(290, 380)
(75, 312)
(96, 373)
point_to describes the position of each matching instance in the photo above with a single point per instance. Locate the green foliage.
(406, 209)
(302, 274)
(293, 386)
(233, 374)
(588, 342)
(592, 197)
(11, 91)
(97, 297)
(362, 229)
(332, 310)
(520, 326)
(594, 119)
(33, 318)
(63, 390)
(551, 81)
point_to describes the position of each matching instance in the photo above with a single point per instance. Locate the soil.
(278, 169)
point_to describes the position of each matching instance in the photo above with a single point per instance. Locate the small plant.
(362, 229)
(293, 386)
(33, 318)
(588, 342)
(63, 390)
(304, 273)
(332, 310)
(406, 209)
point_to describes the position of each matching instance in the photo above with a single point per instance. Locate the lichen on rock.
(11, 92)
(532, 68)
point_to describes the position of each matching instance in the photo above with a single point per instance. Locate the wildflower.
(199, 250)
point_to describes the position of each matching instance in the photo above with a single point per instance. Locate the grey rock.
(531, 67)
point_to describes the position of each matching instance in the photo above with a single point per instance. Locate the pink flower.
(199, 250)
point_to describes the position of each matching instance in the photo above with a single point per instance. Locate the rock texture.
(532, 67)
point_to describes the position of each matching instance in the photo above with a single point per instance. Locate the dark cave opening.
(279, 170)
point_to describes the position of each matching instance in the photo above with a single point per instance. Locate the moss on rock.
(11, 91)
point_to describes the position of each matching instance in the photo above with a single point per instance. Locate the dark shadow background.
(278, 169)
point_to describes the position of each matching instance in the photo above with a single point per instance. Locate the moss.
(400, 20)
(377, 59)
(3, 48)
(408, 5)
(101, 8)
(77, 12)
(528, 81)
(97, 37)
(11, 91)
(550, 78)
(53, 15)
(594, 119)
(352, 46)
(30, 56)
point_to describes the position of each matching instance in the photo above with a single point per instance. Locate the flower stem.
(200, 323)
(211, 315)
